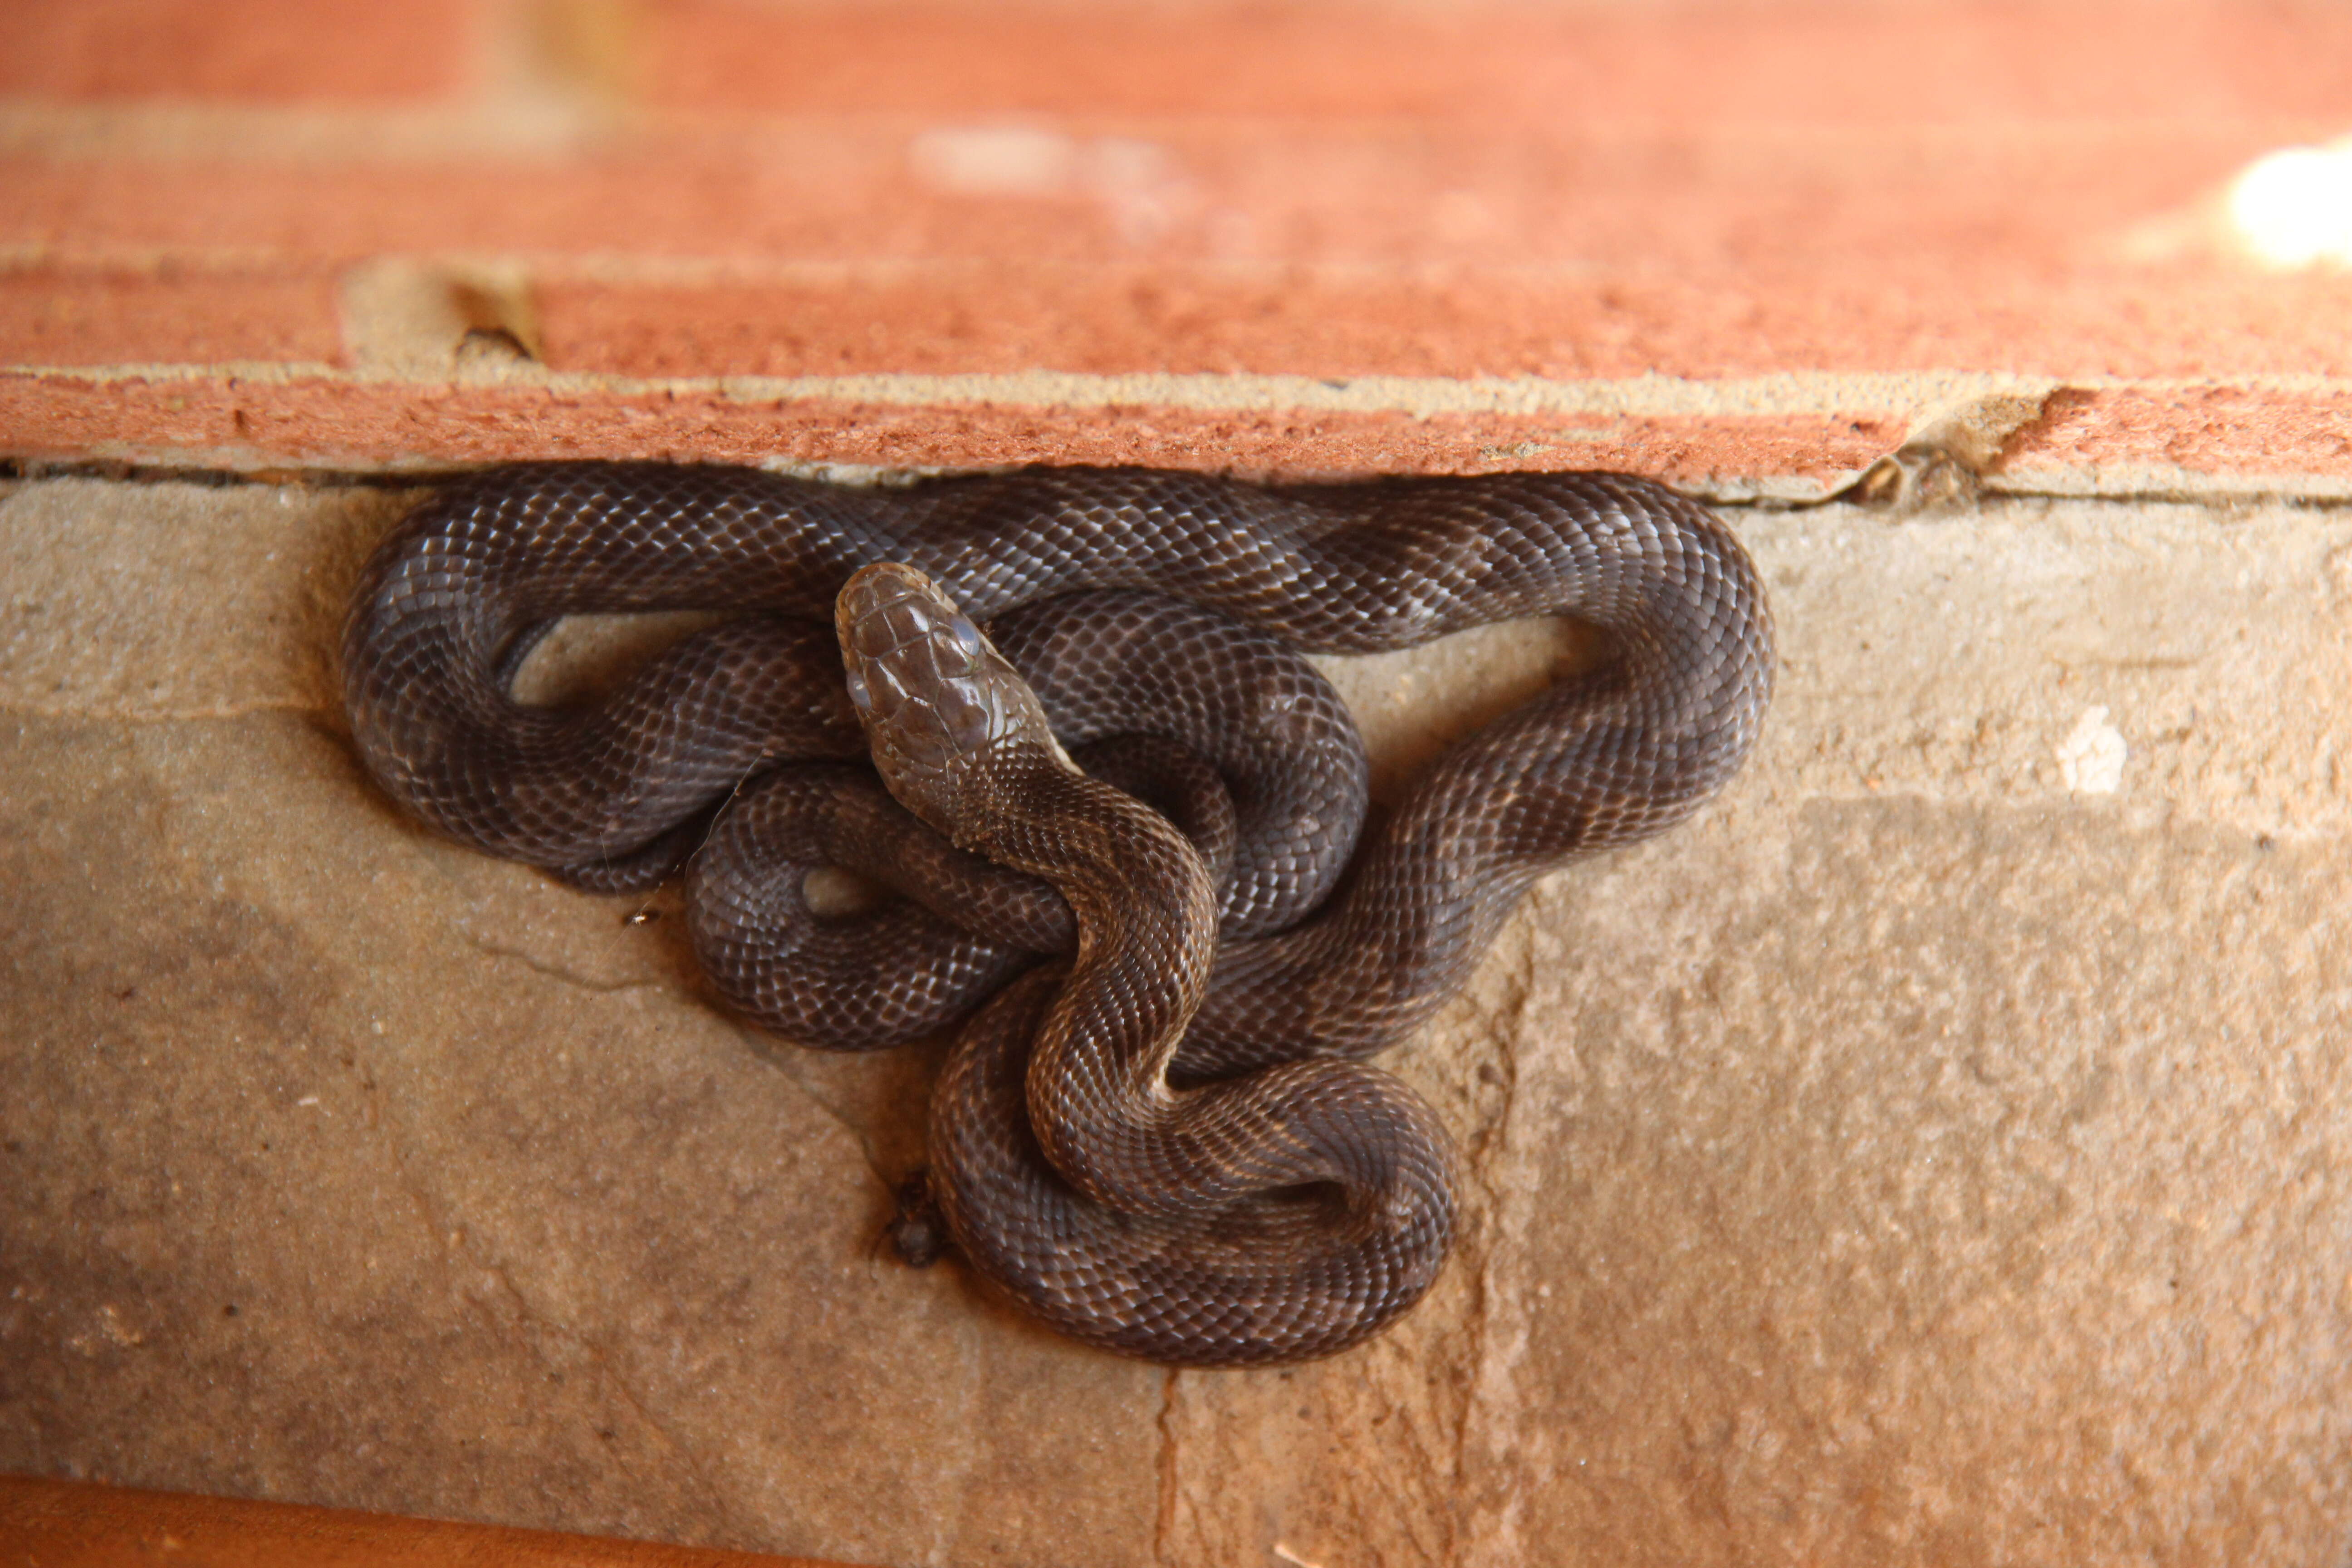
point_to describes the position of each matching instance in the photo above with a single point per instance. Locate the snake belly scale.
(1162, 1144)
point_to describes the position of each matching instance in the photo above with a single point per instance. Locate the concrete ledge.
(1950, 1118)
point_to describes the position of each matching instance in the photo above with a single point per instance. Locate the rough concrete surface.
(1935, 1153)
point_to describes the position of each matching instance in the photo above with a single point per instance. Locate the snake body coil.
(1073, 1165)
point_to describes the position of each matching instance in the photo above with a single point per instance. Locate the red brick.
(335, 423)
(1312, 253)
(2200, 430)
(851, 193)
(1702, 190)
(64, 316)
(1838, 62)
(263, 51)
(2243, 433)
(2169, 322)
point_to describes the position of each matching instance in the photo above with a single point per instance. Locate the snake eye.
(857, 693)
(966, 636)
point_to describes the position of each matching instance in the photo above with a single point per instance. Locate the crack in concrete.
(684, 1453)
(363, 1068)
(959, 1461)
(1490, 1394)
(451, 1240)
(762, 1046)
(556, 972)
(1163, 1527)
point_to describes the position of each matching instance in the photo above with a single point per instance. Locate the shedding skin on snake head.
(1169, 1191)
(1231, 1218)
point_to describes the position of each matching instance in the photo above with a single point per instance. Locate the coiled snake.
(1227, 1187)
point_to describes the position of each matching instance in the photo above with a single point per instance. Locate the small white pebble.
(2091, 757)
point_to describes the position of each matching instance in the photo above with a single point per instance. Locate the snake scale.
(1167, 1140)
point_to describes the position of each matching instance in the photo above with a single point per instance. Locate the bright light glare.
(2293, 208)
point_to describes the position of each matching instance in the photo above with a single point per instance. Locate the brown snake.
(1237, 1192)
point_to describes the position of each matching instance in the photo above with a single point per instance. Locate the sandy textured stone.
(1921, 1157)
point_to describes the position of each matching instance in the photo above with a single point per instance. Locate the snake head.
(939, 704)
